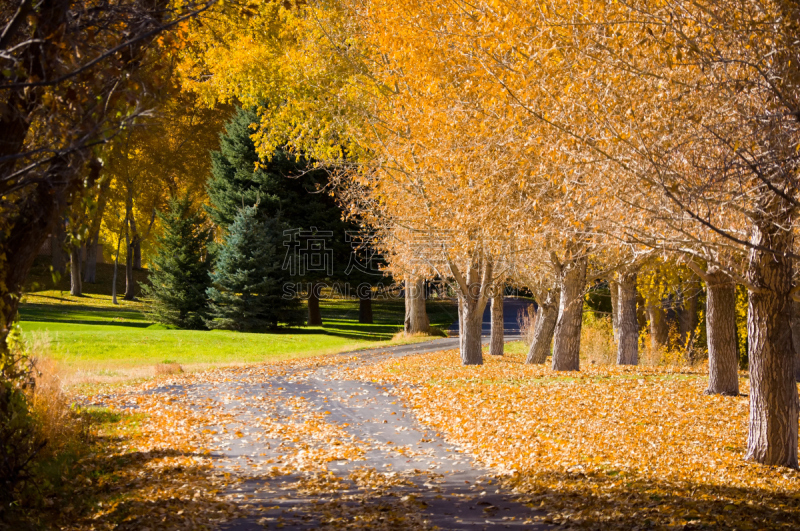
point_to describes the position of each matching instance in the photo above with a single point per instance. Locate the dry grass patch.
(168, 368)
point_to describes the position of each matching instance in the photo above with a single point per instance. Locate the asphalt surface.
(511, 309)
(403, 475)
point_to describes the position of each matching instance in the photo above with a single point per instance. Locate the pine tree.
(247, 291)
(284, 187)
(180, 273)
(236, 181)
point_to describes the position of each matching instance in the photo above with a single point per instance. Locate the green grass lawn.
(95, 341)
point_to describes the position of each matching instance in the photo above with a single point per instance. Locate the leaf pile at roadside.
(605, 446)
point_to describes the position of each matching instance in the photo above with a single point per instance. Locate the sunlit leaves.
(599, 446)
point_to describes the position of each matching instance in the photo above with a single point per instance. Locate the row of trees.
(550, 144)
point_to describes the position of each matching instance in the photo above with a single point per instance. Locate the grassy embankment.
(95, 341)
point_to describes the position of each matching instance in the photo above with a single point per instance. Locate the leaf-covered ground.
(281, 445)
(606, 447)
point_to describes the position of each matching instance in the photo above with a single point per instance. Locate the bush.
(20, 441)
(37, 423)
(527, 324)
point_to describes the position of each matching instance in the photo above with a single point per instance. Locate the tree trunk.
(723, 350)
(460, 324)
(659, 330)
(687, 314)
(796, 338)
(772, 434)
(567, 344)
(473, 295)
(365, 308)
(613, 289)
(137, 255)
(57, 242)
(416, 321)
(471, 352)
(75, 288)
(497, 341)
(543, 330)
(130, 283)
(314, 315)
(90, 267)
(628, 343)
(34, 218)
(116, 266)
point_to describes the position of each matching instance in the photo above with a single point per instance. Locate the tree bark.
(75, 287)
(497, 341)
(628, 343)
(723, 351)
(796, 338)
(772, 434)
(314, 315)
(365, 308)
(116, 267)
(416, 320)
(130, 283)
(545, 325)
(137, 254)
(471, 351)
(90, 267)
(613, 289)
(460, 324)
(567, 344)
(473, 295)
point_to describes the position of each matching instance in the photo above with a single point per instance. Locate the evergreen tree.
(247, 291)
(283, 187)
(180, 273)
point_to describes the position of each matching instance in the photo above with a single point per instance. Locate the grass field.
(95, 341)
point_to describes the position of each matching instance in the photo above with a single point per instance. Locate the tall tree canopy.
(290, 189)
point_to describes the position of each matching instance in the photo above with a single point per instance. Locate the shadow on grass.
(340, 318)
(110, 487)
(132, 320)
(618, 500)
(82, 314)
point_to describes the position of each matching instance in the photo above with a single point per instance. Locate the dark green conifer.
(179, 275)
(247, 284)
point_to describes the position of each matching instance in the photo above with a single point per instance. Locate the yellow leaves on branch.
(603, 446)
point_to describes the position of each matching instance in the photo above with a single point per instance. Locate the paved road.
(511, 308)
(317, 450)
